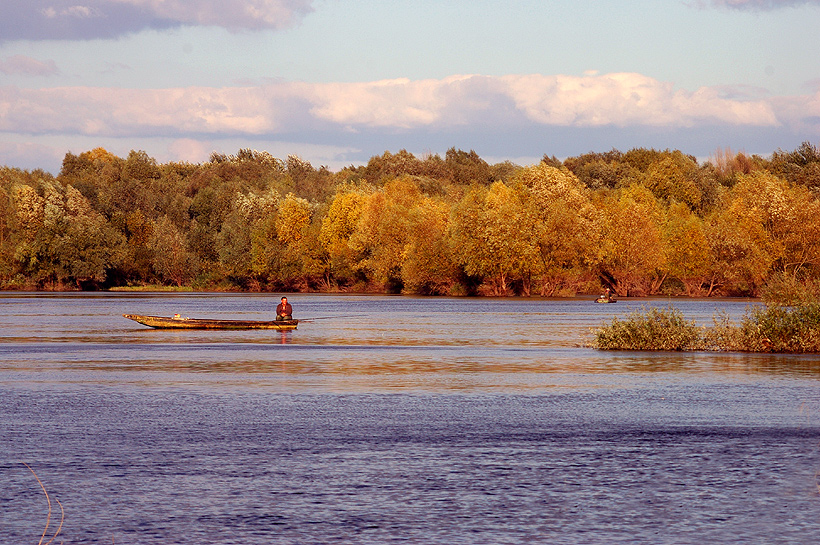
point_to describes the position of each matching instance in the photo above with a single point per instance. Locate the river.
(394, 420)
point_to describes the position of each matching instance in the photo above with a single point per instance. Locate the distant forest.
(641, 222)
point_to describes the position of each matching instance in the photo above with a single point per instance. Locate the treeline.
(640, 222)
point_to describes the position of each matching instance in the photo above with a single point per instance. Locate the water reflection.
(365, 337)
(444, 423)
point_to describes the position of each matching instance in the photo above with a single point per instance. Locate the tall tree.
(337, 226)
(172, 261)
(428, 266)
(687, 250)
(633, 257)
(739, 246)
(789, 213)
(491, 235)
(382, 231)
(563, 224)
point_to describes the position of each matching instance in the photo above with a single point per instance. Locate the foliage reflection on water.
(369, 341)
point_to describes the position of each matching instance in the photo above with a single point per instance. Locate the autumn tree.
(789, 214)
(382, 232)
(739, 248)
(279, 244)
(562, 223)
(337, 226)
(687, 250)
(491, 234)
(429, 267)
(633, 258)
(727, 165)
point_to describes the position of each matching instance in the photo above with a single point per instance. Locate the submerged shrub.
(649, 329)
(723, 336)
(776, 328)
(773, 328)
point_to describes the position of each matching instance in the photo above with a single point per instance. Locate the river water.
(394, 420)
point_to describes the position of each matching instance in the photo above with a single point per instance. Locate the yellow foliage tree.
(738, 244)
(633, 256)
(790, 215)
(491, 232)
(563, 224)
(383, 230)
(338, 225)
(687, 249)
(428, 266)
(293, 220)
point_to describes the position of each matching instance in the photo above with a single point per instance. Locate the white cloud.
(616, 100)
(341, 123)
(399, 103)
(626, 99)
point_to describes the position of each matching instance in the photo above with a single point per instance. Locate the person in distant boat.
(606, 297)
(284, 311)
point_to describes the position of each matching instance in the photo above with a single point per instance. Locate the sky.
(339, 81)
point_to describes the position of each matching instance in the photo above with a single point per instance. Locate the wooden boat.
(605, 300)
(179, 322)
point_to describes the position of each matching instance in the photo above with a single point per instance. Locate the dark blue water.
(417, 421)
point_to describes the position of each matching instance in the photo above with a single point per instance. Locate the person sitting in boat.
(607, 297)
(284, 311)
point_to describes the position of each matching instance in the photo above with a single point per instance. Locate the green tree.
(172, 262)
(138, 262)
(244, 236)
(674, 178)
(141, 167)
(381, 168)
(800, 167)
(467, 167)
(8, 229)
(65, 241)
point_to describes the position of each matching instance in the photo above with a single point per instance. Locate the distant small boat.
(606, 300)
(179, 322)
